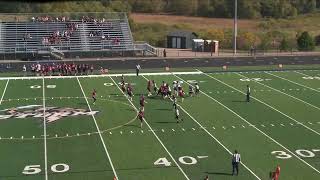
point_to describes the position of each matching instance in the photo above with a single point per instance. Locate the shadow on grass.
(219, 173)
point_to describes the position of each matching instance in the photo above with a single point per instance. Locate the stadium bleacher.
(59, 36)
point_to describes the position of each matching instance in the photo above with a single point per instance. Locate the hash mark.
(120, 132)
(131, 132)
(162, 130)
(110, 132)
(291, 124)
(282, 125)
(233, 127)
(141, 131)
(310, 123)
(263, 125)
(193, 129)
(183, 129)
(243, 126)
(173, 130)
(272, 125)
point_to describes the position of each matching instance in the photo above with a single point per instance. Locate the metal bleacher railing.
(65, 32)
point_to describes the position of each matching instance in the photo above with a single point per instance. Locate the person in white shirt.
(24, 70)
(138, 68)
(236, 159)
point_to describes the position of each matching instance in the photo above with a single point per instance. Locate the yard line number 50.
(36, 169)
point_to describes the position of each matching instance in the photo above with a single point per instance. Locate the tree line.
(248, 9)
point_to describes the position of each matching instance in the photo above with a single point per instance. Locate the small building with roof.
(181, 39)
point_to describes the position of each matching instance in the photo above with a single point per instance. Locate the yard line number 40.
(36, 169)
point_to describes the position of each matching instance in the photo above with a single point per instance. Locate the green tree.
(305, 42)
(284, 45)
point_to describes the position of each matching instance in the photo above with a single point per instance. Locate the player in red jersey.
(141, 117)
(181, 93)
(149, 86)
(142, 101)
(94, 96)
(129, 91)
(275, 175)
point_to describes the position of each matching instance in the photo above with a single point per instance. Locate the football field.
(51, 130)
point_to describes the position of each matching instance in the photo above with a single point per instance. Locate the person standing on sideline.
(235, 162)
(138, 68)
(248, 93)
(24, 69)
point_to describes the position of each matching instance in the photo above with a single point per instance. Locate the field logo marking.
(155, 135)
(252, 125)
(98, 129)
(52, 113)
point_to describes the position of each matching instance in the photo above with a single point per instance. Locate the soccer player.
(190, 90)
(248, 93)
(94, 96)
(141, 116)
(149, 87)
(235, 162)
(129, 91)
(197, 88)
(142, 101)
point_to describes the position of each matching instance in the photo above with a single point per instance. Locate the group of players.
(164, 91)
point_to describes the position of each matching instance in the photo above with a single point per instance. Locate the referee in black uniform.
(235, 162)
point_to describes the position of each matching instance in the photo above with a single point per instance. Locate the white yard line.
(4, 91)
(155, 135)
(216, 139)
(45, 131)
(294, 82)
(271, 107)
(266, 135)
(283, 93)
(99, 132)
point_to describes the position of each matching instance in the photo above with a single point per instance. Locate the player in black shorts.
(94, 96)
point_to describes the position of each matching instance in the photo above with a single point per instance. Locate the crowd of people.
(50, 19)
(57, 36)
(60, 69)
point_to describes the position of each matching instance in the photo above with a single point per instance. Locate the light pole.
(235, 27)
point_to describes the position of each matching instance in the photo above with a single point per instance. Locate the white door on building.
(179, 43)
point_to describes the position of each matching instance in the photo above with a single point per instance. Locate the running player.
(181, 93)
(197, 88)
(190, 90)
(169, 92)
(149, 86)
(94, 96)
(175, 87)
(177, 114)
(123, 84)
(142, 101)
(155, 87)
(129, 91)
(275, 175)
(174, 100)
(141, 117)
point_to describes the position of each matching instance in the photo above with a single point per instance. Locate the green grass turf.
(270, 122)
